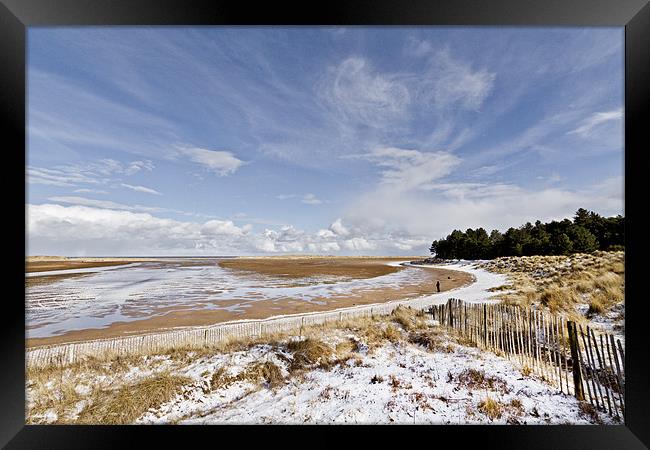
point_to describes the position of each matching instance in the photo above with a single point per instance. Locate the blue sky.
(359, 140)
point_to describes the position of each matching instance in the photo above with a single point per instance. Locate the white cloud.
(364, 96)
(473, 190)
(358, 244)
(449, 207)
(90, 191)
(57, 177)
(452, 83)
(107, 204)
(143, 189)
(383, 221)
(220, 162)
(486, 170)
(596, 119)
(418, 47)
(324, 247)
(101, 171)
(91, 230)
(96, 227)
(326, 234)
(136, 166)
(65, 113)
(309, 199)
(409, 169)
(223, 228)
(449, 82)
(338, 228)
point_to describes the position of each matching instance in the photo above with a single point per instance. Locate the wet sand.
(48, 279)
(33, 264)
(260, 309)
(300, 267)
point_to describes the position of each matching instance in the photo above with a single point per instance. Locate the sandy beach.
(51, 263)
(301, 285)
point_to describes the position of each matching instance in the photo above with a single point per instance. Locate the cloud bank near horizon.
(374, 141)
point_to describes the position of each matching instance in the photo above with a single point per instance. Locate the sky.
(323, 140)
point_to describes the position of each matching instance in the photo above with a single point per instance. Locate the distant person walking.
(438, 285)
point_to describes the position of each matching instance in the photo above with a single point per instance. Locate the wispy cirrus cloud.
(449, 82)
(105, 204)
(404, 169)
(364, 96)
(58, 177)
(74, 116)
(222, 163)
(142, 189)
(598, 118)
(94, 172)
(448, 128)
(308, 199)
(90, 191)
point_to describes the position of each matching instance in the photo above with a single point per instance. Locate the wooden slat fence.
(578, 361)
(196, 337)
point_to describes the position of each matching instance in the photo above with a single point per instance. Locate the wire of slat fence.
(201, 336)
(580, 362)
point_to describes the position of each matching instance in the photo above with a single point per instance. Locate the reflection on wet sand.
(164, 294)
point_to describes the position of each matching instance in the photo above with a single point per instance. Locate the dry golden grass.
(129, 402)
(491, 408)
(432, 339)
(343, 352)
(267, 372)
(308, 352)
(561, 283)
(516, 403)
(595, 307)
(476, 379)
(53, 390)
(392, 334)
(590, 412)
(408, 318)
(376, 335)
(345, 347)
(60, 400)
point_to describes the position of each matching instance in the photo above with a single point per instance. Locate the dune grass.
(563, 283)
(127, 403)
(491, 408)
(105, 390)
(266, 371)
(307, 353)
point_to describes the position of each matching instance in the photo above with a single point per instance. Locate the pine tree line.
(586, 233)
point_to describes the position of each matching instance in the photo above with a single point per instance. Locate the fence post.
(451, 313)
(484, 324)
(573, 343)
(465, 319)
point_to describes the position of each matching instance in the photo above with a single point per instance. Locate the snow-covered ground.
(139, 290)
(475, 292)
(393, 381)
(397, 383)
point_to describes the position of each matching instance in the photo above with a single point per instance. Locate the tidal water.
(137, 291)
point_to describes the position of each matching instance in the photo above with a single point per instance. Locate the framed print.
(354, 214)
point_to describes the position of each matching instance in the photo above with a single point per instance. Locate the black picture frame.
(634, 15)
